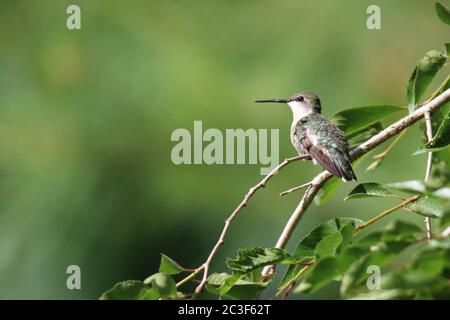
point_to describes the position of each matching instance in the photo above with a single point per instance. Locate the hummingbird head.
(301, 104)
(308, 102)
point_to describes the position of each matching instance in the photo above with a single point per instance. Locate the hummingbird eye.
(301, 98)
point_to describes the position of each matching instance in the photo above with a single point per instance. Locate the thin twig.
(190, 276)
(250, 193)
(429, 133)
(294, 189)
(385, 213)
(320, 179)
(288, 291)
(290, 285)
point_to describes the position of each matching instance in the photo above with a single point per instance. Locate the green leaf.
(440, 174)
(163, 284)
(169, 266)
(393, 238)
(321, 273)
(306, 248)
(335, 242)
(229, 283)
(428, 206)
(410, 186)
(218, 279)
(432, 260)
(442, 136)
(370, 189)
(130, 290)
(357, 137)
(328, 245)
(384, 246)
(347, 234)
(352, 120)
(326, 239)
(251, 258)
(399, 231)
(357, 273)
(328, 269)
(422, 76)
(445, 219)
(234, 286)
(442, 13)
(413, 279)
(440, 244)
(419, 187)
(442, 193)
(424, 150)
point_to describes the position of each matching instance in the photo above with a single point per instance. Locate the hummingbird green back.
(325, 143)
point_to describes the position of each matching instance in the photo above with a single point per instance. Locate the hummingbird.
(312, 134)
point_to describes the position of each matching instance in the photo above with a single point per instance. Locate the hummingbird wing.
(326, 144)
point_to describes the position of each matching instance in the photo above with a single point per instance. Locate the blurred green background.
(86, 118)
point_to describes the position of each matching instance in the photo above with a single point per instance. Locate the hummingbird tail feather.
(335, 162)
(338, 164)
(346, 170)
(331, 160)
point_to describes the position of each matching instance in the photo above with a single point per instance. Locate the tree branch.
(429, 133)
(250, 193)
(376, 140)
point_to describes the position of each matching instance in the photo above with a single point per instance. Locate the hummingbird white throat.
(314, 135)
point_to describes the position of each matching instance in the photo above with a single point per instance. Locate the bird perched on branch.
(314, 135)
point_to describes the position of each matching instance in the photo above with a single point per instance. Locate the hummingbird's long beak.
(273, 100)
